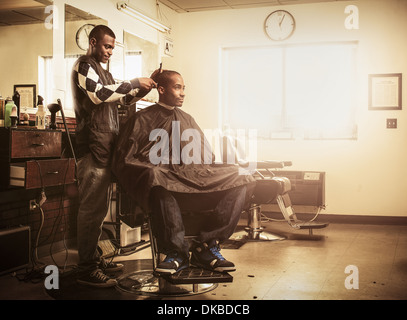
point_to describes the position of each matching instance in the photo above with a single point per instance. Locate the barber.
(96, 96)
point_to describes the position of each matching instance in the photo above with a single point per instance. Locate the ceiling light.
(124, 7)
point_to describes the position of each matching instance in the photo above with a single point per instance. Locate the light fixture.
(123, 6)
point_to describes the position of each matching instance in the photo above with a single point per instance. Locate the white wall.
(367, 176)
(20, 48)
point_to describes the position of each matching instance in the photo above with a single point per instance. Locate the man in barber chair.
(163, 161)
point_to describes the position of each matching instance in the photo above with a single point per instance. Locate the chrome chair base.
(145, 283)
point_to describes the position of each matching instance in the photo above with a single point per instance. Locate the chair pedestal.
(147, 283)
(254, 230)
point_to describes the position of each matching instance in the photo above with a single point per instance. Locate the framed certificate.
(27, 95)
(385, 91)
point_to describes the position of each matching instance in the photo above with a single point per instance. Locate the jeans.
(94, 182)
(167, 222)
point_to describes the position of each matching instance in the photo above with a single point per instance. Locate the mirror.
(75, 19)
(141, 58)
(27, 42)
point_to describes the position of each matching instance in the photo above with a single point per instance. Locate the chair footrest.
(193, 275)
(310, 225)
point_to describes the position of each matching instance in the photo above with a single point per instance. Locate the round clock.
(82, 36)
(279, 25)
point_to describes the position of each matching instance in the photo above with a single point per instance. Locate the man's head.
(170, 86)
(101, 43)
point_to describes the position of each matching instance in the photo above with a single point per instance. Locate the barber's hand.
(147, 83)
(155, 74)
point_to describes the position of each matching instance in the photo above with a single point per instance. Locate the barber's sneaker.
(97, 279)
(110, 266)
(209, 257)
(172, 264)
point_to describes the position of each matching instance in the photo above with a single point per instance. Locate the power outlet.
(391, 123)
(33, 205)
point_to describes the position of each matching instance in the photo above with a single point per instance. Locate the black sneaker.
(172, 264)
(209, 257)
(110, 266)
(97, 279)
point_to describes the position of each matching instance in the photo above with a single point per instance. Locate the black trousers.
(167, 220)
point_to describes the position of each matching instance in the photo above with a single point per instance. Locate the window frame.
(284, 131)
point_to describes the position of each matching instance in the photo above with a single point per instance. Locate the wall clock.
(279, 25)
(82, 36)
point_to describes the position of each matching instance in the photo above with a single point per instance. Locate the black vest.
(97, 125)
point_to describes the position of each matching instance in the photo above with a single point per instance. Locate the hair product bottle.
(40, 115)
(7, 112)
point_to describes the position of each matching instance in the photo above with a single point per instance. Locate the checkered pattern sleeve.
(90, 83)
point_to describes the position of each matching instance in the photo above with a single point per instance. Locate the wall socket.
(391, 123)
(33, 205)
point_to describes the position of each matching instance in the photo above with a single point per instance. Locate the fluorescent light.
(122, 6)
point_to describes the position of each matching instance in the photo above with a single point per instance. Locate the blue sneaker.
(209, 257)
(172, 264)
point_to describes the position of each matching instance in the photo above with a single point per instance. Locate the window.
(291, 91)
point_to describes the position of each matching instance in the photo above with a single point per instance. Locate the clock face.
(279, 25)
(82, 36)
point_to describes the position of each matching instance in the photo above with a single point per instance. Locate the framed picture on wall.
(27, 94)
(385, 91)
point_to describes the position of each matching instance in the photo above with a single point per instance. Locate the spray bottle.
(40, 115)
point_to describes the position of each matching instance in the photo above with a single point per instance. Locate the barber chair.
(270, 188)
(189, 281)
(192, 280)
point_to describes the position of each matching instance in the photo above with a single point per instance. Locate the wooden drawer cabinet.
(31, 158)
(42, 173)
(35, 144)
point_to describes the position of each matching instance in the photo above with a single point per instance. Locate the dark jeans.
(167, 221)
(94, 182)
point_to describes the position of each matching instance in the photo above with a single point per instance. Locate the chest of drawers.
(31, 158)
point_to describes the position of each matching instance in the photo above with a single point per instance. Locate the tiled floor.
(301, 267)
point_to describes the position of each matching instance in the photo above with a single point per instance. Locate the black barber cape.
(151, 151)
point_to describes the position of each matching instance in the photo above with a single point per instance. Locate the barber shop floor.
(340, 262)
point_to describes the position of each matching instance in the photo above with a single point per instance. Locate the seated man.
(163, 161)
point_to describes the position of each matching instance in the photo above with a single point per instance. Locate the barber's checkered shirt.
(90, 83)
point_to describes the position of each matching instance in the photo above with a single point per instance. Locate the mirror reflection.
(27, 40)
(78, 24)
(140, 60)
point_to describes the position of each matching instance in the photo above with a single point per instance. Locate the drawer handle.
(38, 144)
(52, 172)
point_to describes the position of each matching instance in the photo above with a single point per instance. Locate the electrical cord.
(59, 218)
(57, 221)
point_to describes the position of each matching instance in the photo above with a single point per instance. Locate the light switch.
(391, 123)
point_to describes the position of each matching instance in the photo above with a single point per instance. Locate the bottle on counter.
(14, 116)
(40, 115)
(25, 117)
(16, 100)
(7, 112)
